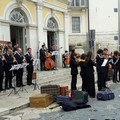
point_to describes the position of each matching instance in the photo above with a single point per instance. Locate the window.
(75, 24)
(78, 3)
(17, 16)
(115, 10)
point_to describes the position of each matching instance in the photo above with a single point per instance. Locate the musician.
(99, 61)
(65, 57)
(8, 46)
(116, 66)
(42, 58)
(1, 69)
(51, 49)
(19, 73)
(74, 70)
(29, 59)
(15, 47)
(8, 62)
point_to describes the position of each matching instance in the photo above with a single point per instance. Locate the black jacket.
(19, 58)
(28, 58)
(73, 65)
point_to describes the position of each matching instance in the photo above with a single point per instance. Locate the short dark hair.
(28, 49)
(99, 51)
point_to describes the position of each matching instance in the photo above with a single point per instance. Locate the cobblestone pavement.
(100, 110)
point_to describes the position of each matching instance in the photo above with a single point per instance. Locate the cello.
(49, 63)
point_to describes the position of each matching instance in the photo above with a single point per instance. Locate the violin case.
(50, 89)
(105, 94)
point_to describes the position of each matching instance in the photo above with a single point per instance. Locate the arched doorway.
(52, 33)
(18, 31)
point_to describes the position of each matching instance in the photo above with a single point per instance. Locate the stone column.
(66, 16)
(40, 24)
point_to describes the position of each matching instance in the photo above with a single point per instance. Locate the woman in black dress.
(89, 63)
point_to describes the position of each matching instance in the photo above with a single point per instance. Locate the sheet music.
(14, 67)
(55, 53)
(35, 62)
(18, 66)
(104, 62)
(24, 65)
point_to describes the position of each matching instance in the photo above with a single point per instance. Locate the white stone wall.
(105, 22)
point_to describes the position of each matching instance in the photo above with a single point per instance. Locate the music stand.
(23, 65)
(14, 67)
(34, 76)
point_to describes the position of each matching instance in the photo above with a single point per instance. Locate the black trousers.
(19, 75)
(102, 77)
(1, 78)
(74, 82)
(8, 78)
(29, 74)
(42, 65)
(116, 70)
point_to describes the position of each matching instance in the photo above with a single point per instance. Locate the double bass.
(49, 63)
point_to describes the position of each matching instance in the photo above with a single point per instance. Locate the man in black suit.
(99, 61)
(1, 70)
(9, 60)
(29, 59)
(19, 73)
(42, 58)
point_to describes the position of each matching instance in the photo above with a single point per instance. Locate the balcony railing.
(79, 4)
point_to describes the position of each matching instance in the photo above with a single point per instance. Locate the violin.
(49, 63)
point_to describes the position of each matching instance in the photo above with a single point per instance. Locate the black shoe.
(11, 87)
(1, 89)
(7, 88)
(114, 81)
(22, 85)
(32, 83)
(117, 80)
(17, 85)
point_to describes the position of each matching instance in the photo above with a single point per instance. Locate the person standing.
(83, 72)
(29, 60)
(116, 66)
(99, 61)
(74, 70)
(8, 62)
(19, 73)
(1, 70)
(42, 58)
(89, 63)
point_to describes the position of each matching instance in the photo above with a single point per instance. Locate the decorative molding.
(19, 2)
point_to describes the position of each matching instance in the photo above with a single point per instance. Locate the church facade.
(35, 22)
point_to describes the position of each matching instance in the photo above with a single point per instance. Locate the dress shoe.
(11, 87)
(117, 80)
(22, 85)
(7, 88)
(1, 89)
(28, 84)
(32, 83)
(17, 85)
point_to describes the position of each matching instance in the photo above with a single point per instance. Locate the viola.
(49, 63)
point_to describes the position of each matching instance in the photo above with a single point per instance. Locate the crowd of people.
(10, 56)
(105, 64)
